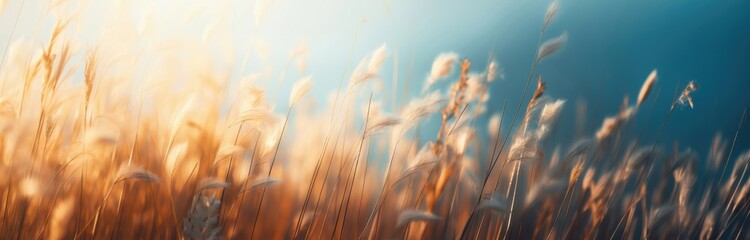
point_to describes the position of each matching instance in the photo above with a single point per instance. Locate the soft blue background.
(612, 47)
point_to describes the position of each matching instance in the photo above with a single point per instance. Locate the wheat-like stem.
(327, 139)
(734, 192)
(12, 31)
(515, 115)
(644, 174)
(270, 169)
(241, 195)
(569, 191)
(228, 171)
(353, 175)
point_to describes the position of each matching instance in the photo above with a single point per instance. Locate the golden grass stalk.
(183, 133)
(125, 173)
(299, 89)
(353, 175)
(60, 217)
(646, 88)
(89, 76)
(325, 143)
(686, 95)
(534, 64)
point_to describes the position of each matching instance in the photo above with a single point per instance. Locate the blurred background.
(612, 47)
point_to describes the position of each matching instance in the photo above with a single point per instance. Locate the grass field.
(93, 145)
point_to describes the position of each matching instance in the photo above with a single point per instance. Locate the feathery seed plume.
(441, 67)
(409, 216)
(211, 183)
(299, 90)
(130, 172)
(686, 95)
(646, 88)
(551, 46)
(551, 12)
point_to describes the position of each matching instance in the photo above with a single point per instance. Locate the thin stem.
(515, 116)
(270, 169)
(12, 31)
(244, 186)
(354, 176)
(229, 168)
(327, 139)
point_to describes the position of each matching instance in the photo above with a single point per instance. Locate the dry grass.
(118, 153)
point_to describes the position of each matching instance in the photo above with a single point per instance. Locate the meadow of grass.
(93, 146)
